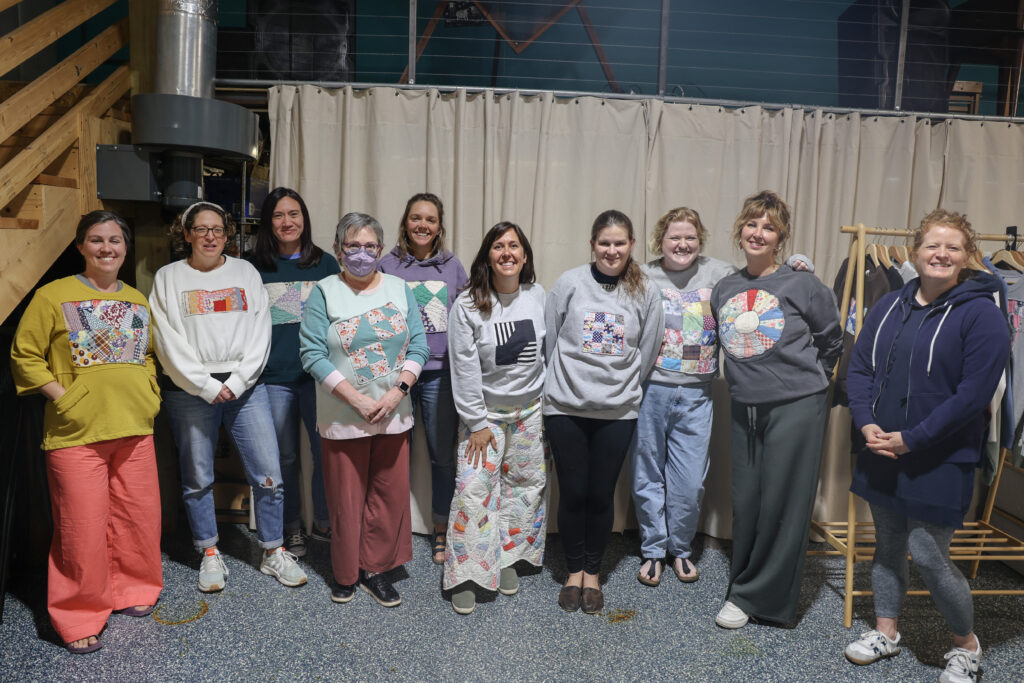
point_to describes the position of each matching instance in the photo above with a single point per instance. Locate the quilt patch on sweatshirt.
(203, 301)
(432, 298)
(750, 323)
(515, 343)
(375, 342)
(288, 300)
(691, 337)
(102, 331)
(1015, 312)
(604, 333)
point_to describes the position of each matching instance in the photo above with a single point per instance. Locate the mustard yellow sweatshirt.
(97, 346)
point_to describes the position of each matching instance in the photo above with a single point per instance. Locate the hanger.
(882, 253)
(1006, 257)
(871, 251)
(895, 255)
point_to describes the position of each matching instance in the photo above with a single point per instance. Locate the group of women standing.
(616, 360)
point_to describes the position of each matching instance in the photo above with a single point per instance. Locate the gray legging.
(929, 547)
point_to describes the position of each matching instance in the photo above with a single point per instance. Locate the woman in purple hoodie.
(923, 371)
(435, 277)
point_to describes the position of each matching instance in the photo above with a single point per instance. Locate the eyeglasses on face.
(353, 248)
(203, 230)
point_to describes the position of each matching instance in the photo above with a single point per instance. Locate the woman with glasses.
(212, 330)
(291, 265)
(362, 341)
(435, 277)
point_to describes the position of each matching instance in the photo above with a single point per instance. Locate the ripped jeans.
(196, 428)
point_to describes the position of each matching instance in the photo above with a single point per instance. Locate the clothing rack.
(855, 540)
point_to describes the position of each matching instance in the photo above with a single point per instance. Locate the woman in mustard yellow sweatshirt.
(84, 344)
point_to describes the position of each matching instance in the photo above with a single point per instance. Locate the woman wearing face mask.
(604, 324)
(290, 266)
(495, 338)
(781, 335)
(362, 340)
(84, 344)
(212, 330)
(435, 277)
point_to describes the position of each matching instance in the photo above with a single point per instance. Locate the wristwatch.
(403, 387)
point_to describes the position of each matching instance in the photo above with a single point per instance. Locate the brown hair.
(949, 219)
(764, 202)
(403, 237)
(681, 213)
(100, 216)
(632, 278)
(480, 284)
(186, 219)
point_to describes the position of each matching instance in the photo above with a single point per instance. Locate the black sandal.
(654, 573)
(440, 539)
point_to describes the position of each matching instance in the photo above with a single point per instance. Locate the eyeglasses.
(203, 230)
(353, 248)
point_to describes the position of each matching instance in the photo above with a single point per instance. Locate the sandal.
(689, 572)
(440, 539)
(136, 610)
(652, 577)
(84, 649)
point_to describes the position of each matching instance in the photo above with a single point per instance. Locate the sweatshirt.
(689, 352)
(365, 338)
(288, 287)
(97, 346)
(498, 359)
(780, 333)
(435, 282)
(211, 322)
(600, 345)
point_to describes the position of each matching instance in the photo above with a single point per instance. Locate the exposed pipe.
(186, 47)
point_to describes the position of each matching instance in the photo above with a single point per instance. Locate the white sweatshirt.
(207, 322)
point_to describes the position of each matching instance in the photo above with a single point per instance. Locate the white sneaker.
(282, 566)
(961, 665)
(872, 646)
(212, 571)
(731, 616)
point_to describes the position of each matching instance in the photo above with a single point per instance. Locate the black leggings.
(588, 456)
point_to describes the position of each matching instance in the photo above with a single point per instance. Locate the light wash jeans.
(432, 398)
(196, 425)
(290, 402)
(670, 461)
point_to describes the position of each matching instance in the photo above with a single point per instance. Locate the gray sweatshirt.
(780, 334)
(497, 360)
(600, 346)
(689, 351)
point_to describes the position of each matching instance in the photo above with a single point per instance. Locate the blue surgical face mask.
(361, 263)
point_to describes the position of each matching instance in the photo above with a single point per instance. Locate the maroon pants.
(367, 485)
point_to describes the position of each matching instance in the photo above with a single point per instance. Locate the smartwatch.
(403, 387)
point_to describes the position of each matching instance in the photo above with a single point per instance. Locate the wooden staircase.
(49, 129)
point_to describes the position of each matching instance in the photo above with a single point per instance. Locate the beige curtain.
(551, 165)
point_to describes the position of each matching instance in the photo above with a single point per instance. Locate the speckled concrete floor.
(258, 629)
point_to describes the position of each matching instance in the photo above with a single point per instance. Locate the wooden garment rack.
(854, 540)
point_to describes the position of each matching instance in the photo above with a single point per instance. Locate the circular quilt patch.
(750, 323)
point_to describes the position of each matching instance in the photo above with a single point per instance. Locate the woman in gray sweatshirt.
(495, 339)
(781, 335)
(604, 324)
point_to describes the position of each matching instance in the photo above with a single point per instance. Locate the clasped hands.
(375, 411)
(888, 444)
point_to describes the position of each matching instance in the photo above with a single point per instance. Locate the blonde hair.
(764, 202)
(676, 215)
(186, 219)
(403, 234)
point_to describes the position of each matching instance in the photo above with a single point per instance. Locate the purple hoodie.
(435, 282)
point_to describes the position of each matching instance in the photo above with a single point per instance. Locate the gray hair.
(354, 221)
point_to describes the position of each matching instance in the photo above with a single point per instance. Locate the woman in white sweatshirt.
(495, 340)
(211, 323)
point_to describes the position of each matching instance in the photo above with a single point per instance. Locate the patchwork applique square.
(604, 333)
(375, 342)
(102, 331)
(204, 302)
(691, 338)
(515, 343)
(432, 298)
(288, 300)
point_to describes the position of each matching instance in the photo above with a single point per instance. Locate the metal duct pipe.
(186, 47)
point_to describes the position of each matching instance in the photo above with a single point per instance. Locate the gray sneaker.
(464, 601)
(295, 542)
(282, 566)
(212, 571)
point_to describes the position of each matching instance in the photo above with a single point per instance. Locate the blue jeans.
(670, 460)
(290, 402)
(432, 397)
(196, 425)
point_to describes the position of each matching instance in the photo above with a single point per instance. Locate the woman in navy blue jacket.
(923, 372)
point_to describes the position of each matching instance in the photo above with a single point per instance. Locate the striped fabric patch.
(516, 343)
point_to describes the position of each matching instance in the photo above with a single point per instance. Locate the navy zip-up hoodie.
(959, 353)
